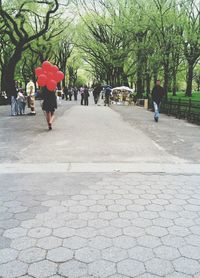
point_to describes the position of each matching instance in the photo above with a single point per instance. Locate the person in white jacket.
(30, 91)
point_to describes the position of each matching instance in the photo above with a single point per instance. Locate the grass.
(181, 95)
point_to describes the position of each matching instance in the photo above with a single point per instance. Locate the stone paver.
(44, 268)
(59, 255)
(102, 268)
(159, 267)
(32, 255)
(7, 255)
(87, 254)
(130, 268)
(13, 269)
(73, 269)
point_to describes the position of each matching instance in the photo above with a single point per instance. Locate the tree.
(191, 39)
(23, 24)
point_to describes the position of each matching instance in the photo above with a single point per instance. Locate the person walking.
(49, 105)
(86, 95)
(107, 95)
(30, 91)
(158, 93)
(96, 93)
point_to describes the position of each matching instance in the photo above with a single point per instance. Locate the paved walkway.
(98, 196)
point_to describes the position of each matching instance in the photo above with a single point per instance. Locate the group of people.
(70, 93)
(19, 99)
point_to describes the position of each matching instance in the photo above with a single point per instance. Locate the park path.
(94, 134)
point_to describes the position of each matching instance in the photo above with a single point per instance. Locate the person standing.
(81, 90)
(21, 102)
(158, 93)
(65, 92)
(107, 95)
(49, 105)
(14, 104)
(30, 91)
(86, 95)
(75, 93)
(70, 92)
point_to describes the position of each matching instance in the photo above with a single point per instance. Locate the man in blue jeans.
(158, 93)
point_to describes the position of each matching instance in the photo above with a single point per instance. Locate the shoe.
(156, 119)
(50, 127)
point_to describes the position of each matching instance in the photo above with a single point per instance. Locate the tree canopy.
(119, 42)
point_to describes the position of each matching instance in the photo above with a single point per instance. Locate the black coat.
(158, 93)
(50, 101)
(86, 93)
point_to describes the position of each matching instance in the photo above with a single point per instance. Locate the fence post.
(189, 110)
(170, 107)
(179, 108)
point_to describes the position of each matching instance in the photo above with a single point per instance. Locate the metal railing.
(181, 109)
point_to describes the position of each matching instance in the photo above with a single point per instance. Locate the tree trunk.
(125, 80)
(148, 83)
(155, 75)
(2, 79)
(166, 79)
(174, 86)
(9, 72)
(189, 80)
(139, 83)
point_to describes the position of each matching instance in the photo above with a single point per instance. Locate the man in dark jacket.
(157, 96)
(96, 93)
(108, 91)
(86, 95)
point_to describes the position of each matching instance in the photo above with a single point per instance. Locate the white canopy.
(123, 88)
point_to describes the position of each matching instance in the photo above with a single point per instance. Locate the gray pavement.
(105, 194)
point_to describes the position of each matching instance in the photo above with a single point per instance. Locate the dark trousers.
(96, 98)
(107, 100)
(75, 96)
(86, 101)
(82, 99)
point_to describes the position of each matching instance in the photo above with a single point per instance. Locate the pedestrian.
(70, 92)
(108, 91)
(49, 105)
(21, 100)
(81, 90)
(75, 93)
(96, 93)
(65, 92)
(14, 104)
(158, 93)
(30, 91)
(86, 95)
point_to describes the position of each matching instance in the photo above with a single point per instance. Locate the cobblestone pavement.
(100, 225)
